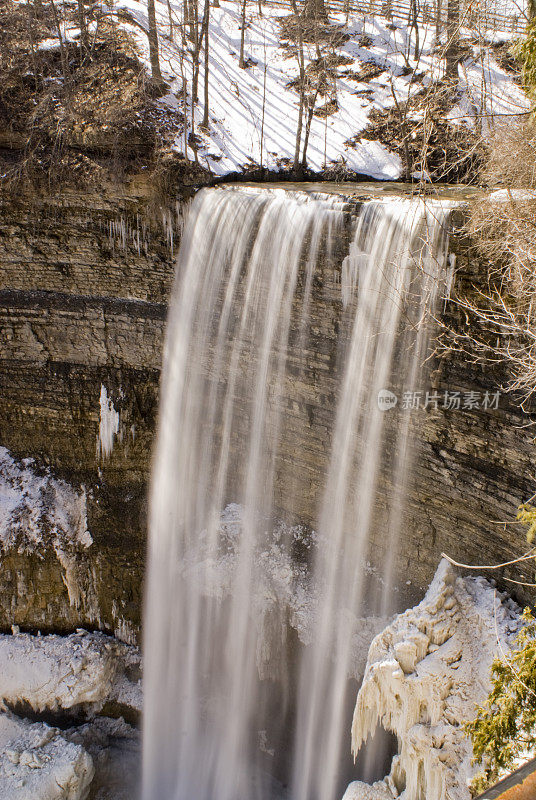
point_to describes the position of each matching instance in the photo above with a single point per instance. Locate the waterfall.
(246, 609)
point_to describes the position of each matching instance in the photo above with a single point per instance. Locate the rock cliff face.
(84, 283)
(83, 292)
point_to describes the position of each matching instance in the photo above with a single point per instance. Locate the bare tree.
(311, 103)
(84, 38)
(63, 49)
(263, 99)
(301, 64)
(170, 20)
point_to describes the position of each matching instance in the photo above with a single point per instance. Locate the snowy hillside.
(376, 64)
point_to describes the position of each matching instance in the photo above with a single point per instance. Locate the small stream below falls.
(258, 619)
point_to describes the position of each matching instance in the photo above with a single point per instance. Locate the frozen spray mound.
(425, 674)
(283, 592)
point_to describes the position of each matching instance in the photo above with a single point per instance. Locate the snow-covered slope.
(425, 675)
(239, 131)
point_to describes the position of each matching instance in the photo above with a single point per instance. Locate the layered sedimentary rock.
(83, 302)
(84, 281)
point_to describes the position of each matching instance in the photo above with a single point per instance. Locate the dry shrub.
(74, 116)
(512, 155)
(504, 232)
(418, 130)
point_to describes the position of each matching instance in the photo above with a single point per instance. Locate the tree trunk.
(170, 20)
(438, 24)
(84, 38)
(301, 64)
(414, 24)
(241, 62)
(296, 164)
(196, 54)
(452, 51)
(263, 106)
(206, 25)
(153, 43)
(312, 104)
(63, 51)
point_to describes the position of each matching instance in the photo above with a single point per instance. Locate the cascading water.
(396, 263)
(227, 580)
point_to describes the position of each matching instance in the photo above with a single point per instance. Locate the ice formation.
(38, 763)
(283, 590)
(425, 674)
(83, 670)
(108, 425)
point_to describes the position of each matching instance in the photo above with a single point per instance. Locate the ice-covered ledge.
(425, 674)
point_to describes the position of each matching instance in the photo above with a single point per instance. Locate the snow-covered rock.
(425, 675)
(39, 512)
(83, 670)
(38, 763)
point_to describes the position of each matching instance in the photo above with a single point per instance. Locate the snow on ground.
(115, 749)
(68, 674)
(80, 671)
(237, 129)
(485, 88)
(511, 195)
(425, 675)
(38, 763)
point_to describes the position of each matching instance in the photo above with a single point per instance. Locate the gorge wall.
(84, 284)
